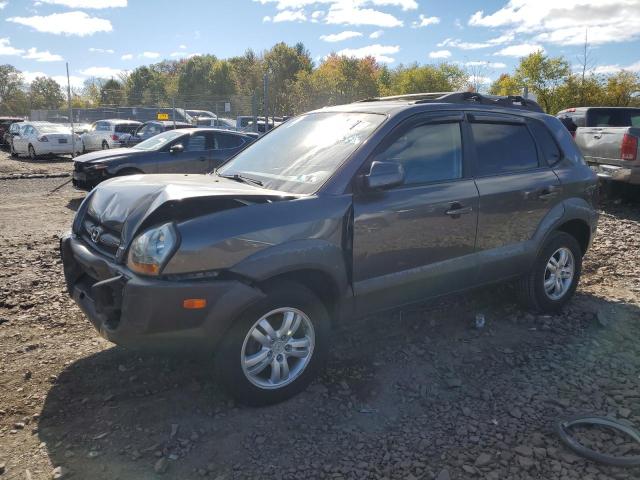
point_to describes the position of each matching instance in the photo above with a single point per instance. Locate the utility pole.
(173, 103)
(265, 81)
(73, 133)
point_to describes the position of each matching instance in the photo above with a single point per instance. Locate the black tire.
(14, 154)
(530, 288)
(32, 152)
(229, 353)
(105, 145)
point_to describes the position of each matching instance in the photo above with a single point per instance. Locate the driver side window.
(429, 153)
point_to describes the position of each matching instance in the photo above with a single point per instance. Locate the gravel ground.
(414, 394)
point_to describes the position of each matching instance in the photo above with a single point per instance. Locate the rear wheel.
(105, 145)
(275, 348)
(32, 152)
(555, 274)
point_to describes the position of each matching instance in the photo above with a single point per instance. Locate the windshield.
(53, 128)
(158, 141)
(301, 154)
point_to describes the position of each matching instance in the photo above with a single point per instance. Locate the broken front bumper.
(136, 311)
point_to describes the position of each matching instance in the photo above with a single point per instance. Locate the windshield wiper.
(238, 177)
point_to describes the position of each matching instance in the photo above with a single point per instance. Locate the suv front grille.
(102, 238)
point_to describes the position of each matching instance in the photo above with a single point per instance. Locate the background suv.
(108, 134)
(336, 213)
(149, 129)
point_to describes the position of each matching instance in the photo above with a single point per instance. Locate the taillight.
(43, 138)
(629, 148)
(114, 137)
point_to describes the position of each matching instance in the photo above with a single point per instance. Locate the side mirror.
(384, 175)
(177, 148)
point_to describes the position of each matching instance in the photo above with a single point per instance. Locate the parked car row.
(336, 213)
(608, 138)
(34, 139)
(184, 150)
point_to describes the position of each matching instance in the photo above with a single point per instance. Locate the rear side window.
(613, 117)
(547, 144)
(228, 141)
(126, 128)
(197, 142)
(503, 148)
(428, 153)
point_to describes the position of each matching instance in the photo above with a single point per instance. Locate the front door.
(194, 158)
(417, 240)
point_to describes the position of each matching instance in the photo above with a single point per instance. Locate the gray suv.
(336, 213)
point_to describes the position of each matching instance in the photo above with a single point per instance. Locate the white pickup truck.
(608, 137)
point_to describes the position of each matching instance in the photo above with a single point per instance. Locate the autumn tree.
(13, 100)
(45, 93)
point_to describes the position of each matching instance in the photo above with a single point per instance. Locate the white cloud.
(351, 14)
(266, 18)
(379, 52)
(44, 56)
(339, 37)
(182, 47)
(183, 55)
(7, 49)
(457, 43)
(377, 34)
(287, 16)
(520, 50)
(564, 23)
(316, 15)
(87, 3)
(403, 4)
(75, 80)
(458, 24)
(127, 56)
(609, 69)
(425, 21)
(101, 72)
(151, 55)
(70, 23)
(440, 54)
(484, 63)
(101, 50)
(3, 4)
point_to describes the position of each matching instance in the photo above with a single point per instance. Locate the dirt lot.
(417, 394)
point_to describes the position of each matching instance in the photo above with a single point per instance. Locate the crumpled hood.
(109, 154)
(123, 204)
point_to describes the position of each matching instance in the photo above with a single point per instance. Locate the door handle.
(457, 209)
(548, 193)
(597, 137)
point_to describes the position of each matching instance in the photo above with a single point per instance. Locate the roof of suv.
(389, 105)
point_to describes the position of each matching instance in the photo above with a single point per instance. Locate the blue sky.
(100, 38)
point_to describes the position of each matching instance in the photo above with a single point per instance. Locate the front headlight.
(151, 250)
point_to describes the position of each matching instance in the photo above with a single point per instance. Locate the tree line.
(296, 84)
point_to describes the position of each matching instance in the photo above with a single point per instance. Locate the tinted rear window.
(546, 142)
(127, 128)
(228, 141)
(503, 148)
(613, 117)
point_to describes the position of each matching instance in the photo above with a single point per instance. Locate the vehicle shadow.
(74, 204)
(403, 375)
(46, 159)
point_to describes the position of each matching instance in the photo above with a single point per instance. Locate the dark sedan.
(151, 129)
(192, 150)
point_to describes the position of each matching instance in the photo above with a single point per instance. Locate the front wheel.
(13, 150)
(105, 145)
(555, 274)
(275, 349)
(32, 153)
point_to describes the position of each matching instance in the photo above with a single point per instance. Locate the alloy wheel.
(558, 274)
(277, 348)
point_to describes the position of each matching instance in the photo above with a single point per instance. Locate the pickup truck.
(608, 138)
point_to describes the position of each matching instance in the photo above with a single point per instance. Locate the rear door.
(517, 189)
(416, 240)
(226, 145)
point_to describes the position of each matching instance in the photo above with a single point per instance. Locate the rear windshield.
(127, 128)
(53, 128)
(613, 117)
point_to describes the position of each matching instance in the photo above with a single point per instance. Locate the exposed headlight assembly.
(151, 250)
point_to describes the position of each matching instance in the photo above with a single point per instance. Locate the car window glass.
(227, 141)
(547, 144)
(428, 153)
(503, 148)
(196, 143)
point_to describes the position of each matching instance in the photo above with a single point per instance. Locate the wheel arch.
(579, 229)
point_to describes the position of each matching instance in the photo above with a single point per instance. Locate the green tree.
(13, 100)
(543, 75)
(622, 89)
(505, 85)
(427, 78)
(45, 93)
(283, 64)
(112, 93)
(145, 86)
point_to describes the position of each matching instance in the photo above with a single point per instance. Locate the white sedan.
(44, 138)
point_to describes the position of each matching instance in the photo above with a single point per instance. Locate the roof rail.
(407, 96)
(508, 101)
